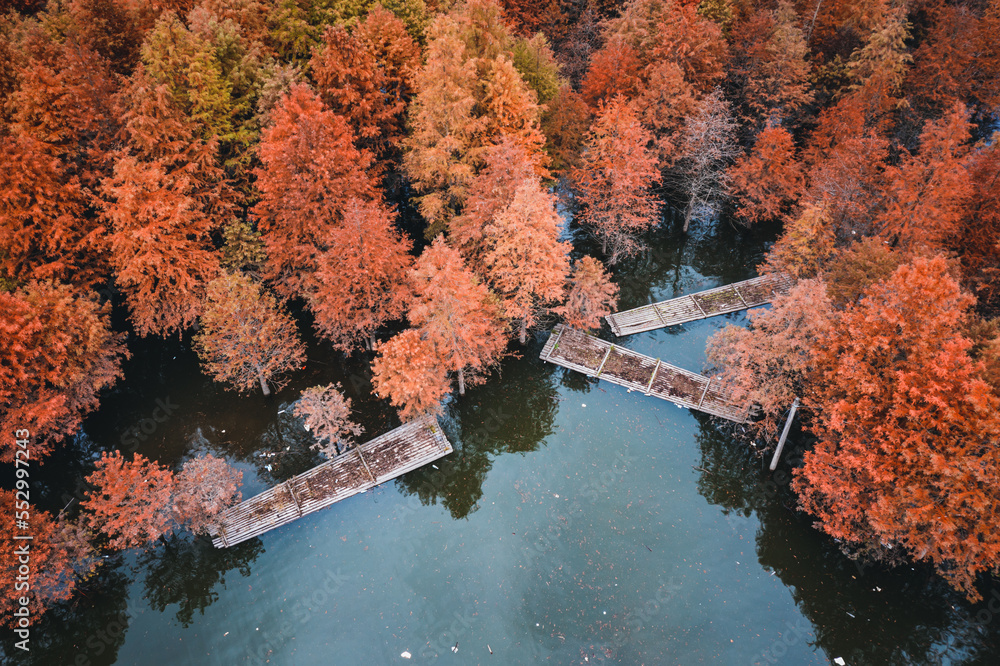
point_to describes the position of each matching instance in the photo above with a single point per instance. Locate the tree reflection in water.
(864, 614)
(93, 623)
(189, 572)
(509, 416)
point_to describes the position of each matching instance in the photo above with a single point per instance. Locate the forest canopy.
(397, 174)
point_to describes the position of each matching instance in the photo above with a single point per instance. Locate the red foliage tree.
(205, 487)
(907, 454)
(326, 413)
(410, 374)
(457, 327)
(768, 179)
(847, 158)
(310, 171)
(245, 339)
(166, 197)
(440, 161)
(57, 352)
(508, 164)
(361, 281)
(56, 557)
(648, 34)
(591, 295)
(565, 124)
(615, 180)
(614, 70)
(131, 502)
(367, 76)
(978, 237)
(456, 314)
(958, 59)
(45, 233)
(771, 362)
(770, 67)
(929, 192)
(525, 263)
(65, 100)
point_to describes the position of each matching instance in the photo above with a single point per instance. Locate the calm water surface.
(574, 524)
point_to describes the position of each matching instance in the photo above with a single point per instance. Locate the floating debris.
(405, 654)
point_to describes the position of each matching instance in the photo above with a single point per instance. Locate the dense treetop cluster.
(214, 166)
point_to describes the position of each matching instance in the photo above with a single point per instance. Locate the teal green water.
(574, 524)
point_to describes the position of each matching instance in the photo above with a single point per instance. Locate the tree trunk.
(524, 331)
(461, 381)
(260, 375)
(371, 341)
(812, 23)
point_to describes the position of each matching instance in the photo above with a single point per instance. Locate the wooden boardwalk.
(398, 451)
(592, 356)
(721, 300)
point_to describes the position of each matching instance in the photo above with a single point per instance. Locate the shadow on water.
(863, 614)
(190, 571)
(509, 415)
(92, 624)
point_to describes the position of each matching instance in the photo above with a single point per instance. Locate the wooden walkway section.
(592, 356)
(398, 451)
(721, 300)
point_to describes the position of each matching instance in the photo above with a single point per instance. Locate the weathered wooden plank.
(691, 307)
(406, 448)
(628, 368)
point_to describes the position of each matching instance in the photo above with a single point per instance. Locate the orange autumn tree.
(507, 165)
(591, 295)
(469, 94)
(65, 99)
(508, 233)
(565, 124)
(166, 197)
(45, 232)
(615, 179)
(456, 314)
(361, 280)
(525, 263)
(439, 161)
(768, 179)
(457, 328)
(614, 70)
(978, 235)
(310, 170)
(770, 68)
(409, 373)
(770, 362)
(367, 75)
(57, 352)
(58, 557)
(325, 412)
(205, 487)
(131, 502)
(245, 340)
(907, 454)
(929, 191)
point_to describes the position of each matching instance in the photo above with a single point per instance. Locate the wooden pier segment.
(382, 459)
(585, 353)
(709, 303)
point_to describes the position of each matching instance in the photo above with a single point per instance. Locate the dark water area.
(575, 523)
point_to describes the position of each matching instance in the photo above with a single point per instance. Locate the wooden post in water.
(784, 434)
